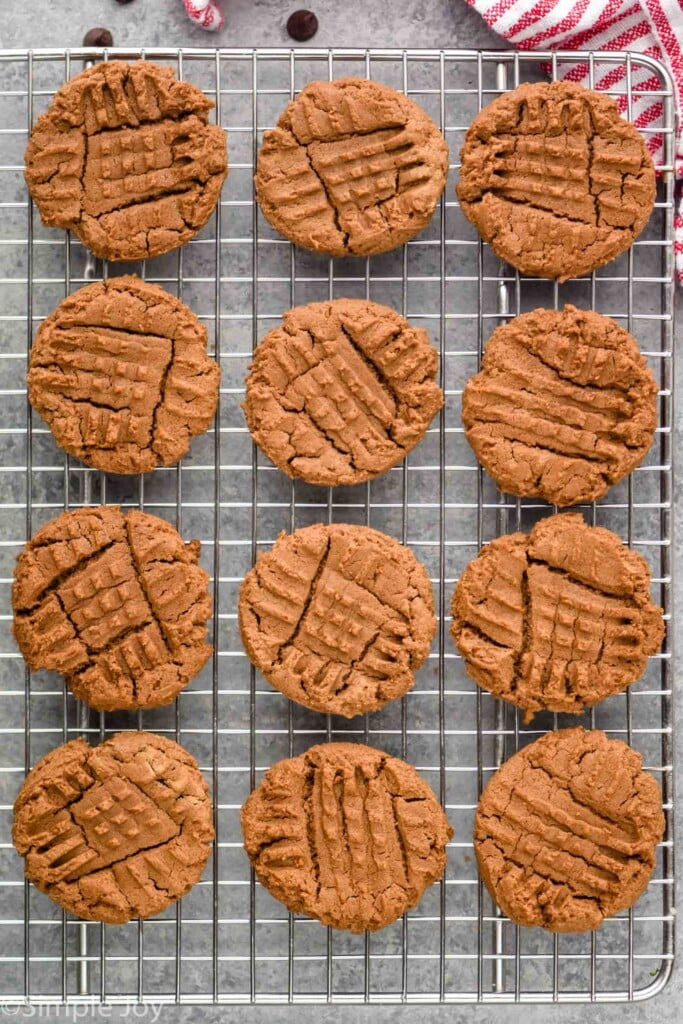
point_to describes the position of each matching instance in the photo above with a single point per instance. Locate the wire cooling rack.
(229, 941)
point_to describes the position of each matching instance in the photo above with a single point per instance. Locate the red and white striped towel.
(205, 13)
(651, 27)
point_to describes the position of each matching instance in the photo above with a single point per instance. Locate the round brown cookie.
(353, 168)
(337, 617)
(116, 831)
(564, 405)
(566, 831)
(115, 602)
(126, 159)
(555, 180)
(558, 619)
(121, 375)
(346, 834)
(342, 391)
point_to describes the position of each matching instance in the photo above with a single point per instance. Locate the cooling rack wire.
(229, 941)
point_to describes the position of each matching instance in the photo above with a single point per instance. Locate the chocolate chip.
(302, 25)
(98, 37)
(123, 1)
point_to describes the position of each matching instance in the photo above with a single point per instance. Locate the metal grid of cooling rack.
(229, 941)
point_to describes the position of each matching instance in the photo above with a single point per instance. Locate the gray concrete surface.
(248, 23)
(428, 23)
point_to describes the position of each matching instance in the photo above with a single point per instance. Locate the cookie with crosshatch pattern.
(566, 831)
(337, 617)
(116, 831)
(353, 168)
(341, 391)
(555, 180)
(125, 158)
(346, 834)
(117, 603)
(557, 619)
(120, 373)
(563, 407)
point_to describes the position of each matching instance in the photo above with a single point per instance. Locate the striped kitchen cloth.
(652, 27)
(205, 13)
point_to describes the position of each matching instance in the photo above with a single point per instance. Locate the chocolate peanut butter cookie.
(566, 831)
(121, 375)
(555, 180)
(126, 159)
(342, 391)
(346, 834)
(115, 602)
(558, 619)
(564, 405)
(337, 617)
(353, 168)
(116, 831)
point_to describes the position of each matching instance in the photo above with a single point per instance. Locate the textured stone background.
(421, 23)
(248, 23)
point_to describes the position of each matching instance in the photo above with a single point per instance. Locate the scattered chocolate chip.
(302, 25)
(98, 37)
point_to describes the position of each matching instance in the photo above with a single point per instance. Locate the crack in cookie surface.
(337, 617)
(116, 603)
(564, 405)
(558, 619)
(125, 158)
(555, 180)
(353, 168)
(116, 831)
(346, 834)
(566, 831)
(342, 391)
(121, 375)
